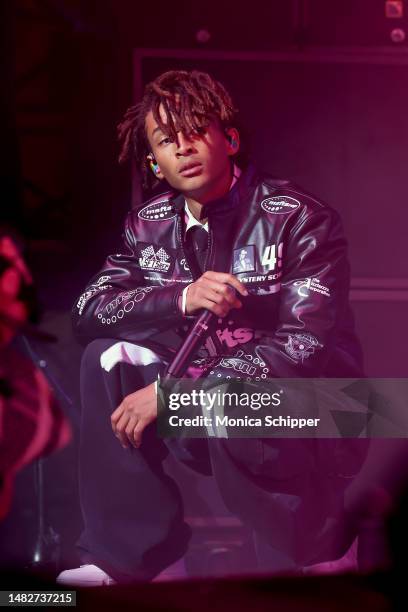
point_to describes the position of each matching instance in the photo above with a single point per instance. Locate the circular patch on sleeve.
(280, 205)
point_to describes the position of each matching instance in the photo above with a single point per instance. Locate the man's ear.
(232, 136)
(154, 166)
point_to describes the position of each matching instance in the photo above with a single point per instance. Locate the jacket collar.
(237, 196)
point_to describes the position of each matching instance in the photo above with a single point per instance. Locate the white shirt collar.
(191, 221)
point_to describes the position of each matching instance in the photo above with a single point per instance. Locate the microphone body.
(194, 340)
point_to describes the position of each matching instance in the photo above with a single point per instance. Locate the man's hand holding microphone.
(214, 292)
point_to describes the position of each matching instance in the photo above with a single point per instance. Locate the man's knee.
(91, 357)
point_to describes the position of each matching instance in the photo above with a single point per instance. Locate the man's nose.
(185, 144)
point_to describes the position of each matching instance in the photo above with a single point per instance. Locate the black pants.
(133, 511)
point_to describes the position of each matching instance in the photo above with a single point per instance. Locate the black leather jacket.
(287, 247)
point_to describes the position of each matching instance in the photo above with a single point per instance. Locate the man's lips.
(190, 169)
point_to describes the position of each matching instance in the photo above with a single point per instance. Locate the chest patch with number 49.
(271, 257)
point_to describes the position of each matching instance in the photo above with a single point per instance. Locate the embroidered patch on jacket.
(160, 210)
(244, 259)
(280, 205)
(260, 278)
(307, 285)
(272, 256)
(155, 258)
(301, 346)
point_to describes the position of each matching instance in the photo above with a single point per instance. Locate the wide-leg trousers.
(133, 511)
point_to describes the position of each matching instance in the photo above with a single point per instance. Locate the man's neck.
(195, 203)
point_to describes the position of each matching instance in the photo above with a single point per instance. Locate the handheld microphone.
(193, 341)
(195, 338)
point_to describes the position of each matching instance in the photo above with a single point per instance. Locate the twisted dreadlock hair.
(190, 101)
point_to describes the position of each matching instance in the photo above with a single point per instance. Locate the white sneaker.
(85, 576)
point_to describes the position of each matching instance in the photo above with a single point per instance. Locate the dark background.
(322, 90)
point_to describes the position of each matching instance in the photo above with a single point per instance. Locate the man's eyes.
(198, 132)
(165, 141)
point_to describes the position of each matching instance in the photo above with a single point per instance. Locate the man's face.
(196, 165)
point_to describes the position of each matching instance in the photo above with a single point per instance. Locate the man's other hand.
(135, 412)
(214, 291)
